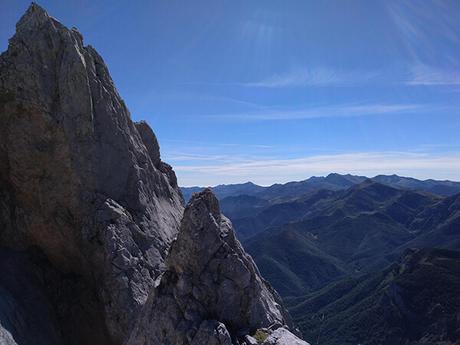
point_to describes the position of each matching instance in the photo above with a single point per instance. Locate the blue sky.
(272, 91)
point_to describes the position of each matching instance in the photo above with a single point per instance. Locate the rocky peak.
(78, 179)
(212, 292)
(33, 18)
(91, 213)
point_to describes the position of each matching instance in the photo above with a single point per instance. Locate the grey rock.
(150, 141)
(78, 178)
(282, 336)
(6, 338)
(248, 340)
(89, 216)
(212, 333)
(209, 278)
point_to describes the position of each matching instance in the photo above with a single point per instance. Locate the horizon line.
(318, 176)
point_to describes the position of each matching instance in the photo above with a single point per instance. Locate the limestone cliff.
(212, 292)
(88, 214)
(79, 179)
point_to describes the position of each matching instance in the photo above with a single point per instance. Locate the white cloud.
(314, 77)
(269, 171)
(428, 30)
(346, 110)
(427, 75)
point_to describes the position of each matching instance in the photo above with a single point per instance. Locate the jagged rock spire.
(77, 179)
(86, 201)
(32, 18)
(212, 292)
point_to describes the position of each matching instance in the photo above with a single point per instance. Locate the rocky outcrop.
(89, 213)
(212, 292)
(79, 180)
(282, 336)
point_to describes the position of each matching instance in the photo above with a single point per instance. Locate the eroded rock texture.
(79, 180)
(212, 292)
(88, 214)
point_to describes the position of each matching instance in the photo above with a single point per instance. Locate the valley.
(338, 248)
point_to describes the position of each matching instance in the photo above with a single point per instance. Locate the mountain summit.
(89, 211)
(78, 179)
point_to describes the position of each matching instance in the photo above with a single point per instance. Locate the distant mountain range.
(304, 237)
(330, 182)
(358, 260)
(310, 241)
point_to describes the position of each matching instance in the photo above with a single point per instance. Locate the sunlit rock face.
(212, 292)
(79, 179)
(89, 216)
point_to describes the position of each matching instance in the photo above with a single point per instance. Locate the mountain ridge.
(333, 181)
(349, 232)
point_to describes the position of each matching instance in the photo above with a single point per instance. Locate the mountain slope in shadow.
(414, 301)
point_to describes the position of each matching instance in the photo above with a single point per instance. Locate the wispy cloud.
(269, 171)
(425, 26)
(192, 152)
(346, 110)
(429, 35)
(314, 77)
(427, 75)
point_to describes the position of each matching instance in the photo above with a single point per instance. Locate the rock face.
(282, 336)
(212, 292)
(88, 214)
(78, 178)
